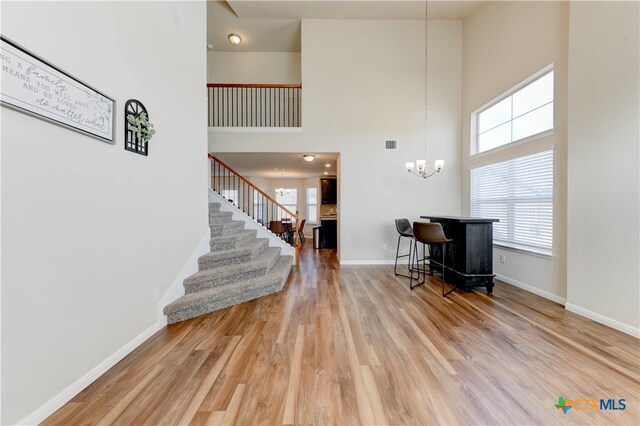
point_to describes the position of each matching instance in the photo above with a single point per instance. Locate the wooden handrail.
(257, 85)
(248, 182)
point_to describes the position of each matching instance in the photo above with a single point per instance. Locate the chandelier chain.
(422, 170)
(426, 78)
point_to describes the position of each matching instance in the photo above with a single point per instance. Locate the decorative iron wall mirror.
(132, 141)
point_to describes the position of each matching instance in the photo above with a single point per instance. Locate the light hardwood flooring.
(353, 345)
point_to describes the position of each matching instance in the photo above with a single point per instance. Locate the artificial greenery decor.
(139, 124)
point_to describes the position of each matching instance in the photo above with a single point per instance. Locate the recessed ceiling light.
(210, 46)
(235, 39)
(308, 157)
(326, 173)
(327, 165)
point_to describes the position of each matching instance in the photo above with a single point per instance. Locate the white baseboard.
(532, 289)
(609, 322)
(176, 290)
(51, 406)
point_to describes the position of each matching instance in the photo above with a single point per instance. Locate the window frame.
(474, 136)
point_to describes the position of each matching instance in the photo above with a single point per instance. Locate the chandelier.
(281, 192)
(421, 165)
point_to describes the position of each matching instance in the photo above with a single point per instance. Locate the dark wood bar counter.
(469, 258)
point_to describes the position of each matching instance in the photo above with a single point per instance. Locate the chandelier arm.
(424, 176)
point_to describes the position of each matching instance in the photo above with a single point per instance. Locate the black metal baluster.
(299, 120)
(260, 105)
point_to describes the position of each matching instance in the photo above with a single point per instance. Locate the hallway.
(352, 345)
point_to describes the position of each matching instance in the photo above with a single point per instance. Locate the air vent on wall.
(391, 144)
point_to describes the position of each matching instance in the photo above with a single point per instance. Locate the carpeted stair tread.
(220, 217)
(245, 253)
(240, 267)
(193, 304)
(231, 273)
(226, 228)
(232, 241)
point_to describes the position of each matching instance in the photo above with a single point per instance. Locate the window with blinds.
(519, 192)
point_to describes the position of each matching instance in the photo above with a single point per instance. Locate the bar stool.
(404, 229)
(430, 234)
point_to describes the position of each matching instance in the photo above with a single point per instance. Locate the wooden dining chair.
(301, 229)
(278, 228)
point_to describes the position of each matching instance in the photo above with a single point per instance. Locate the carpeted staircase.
(240, 267)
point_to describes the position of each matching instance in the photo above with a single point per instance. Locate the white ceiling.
(274, 26)
(262, 164)
(258, 35)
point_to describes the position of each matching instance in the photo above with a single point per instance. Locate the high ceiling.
(274, 26)
(263, 164)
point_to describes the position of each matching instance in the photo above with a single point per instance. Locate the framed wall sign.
(36, 87)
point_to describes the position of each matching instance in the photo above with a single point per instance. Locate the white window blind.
(519, 192)
(312, 205)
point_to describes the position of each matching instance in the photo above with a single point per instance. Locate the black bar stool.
(404, 229)
(430, 234)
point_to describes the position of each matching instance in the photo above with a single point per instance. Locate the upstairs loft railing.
(254, 105)
(254, 202)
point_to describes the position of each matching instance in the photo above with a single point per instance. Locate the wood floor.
(353, 345)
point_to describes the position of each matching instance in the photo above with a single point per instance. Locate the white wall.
(504, 43)
(254, 67)
(89, 229)
(363, 82)
(604, 181)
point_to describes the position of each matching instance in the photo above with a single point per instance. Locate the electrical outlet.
(156, 294)
(503, 258)
(384, 246)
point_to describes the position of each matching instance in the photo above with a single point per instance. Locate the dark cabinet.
(329, 189)
(469, 257)
(329, 233)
